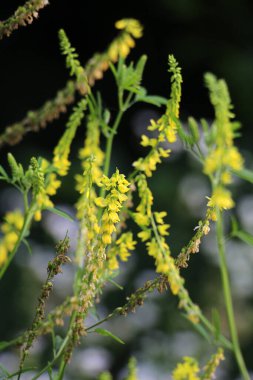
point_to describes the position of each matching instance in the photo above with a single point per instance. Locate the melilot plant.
(107, 203)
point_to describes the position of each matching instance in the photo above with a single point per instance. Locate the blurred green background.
(204, 36)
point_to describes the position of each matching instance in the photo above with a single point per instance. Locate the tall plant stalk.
(228, 298)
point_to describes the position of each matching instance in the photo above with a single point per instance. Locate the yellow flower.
(126, 244)
(213, 161)
(163, 229)
(170, 134)
(37, 216)
(144, 235)
(188, 370)
(117, 186)
(131, 26)
(10, 240)
(106, 239)
(159, 216)
(13, 223)
(113, 263)
(13, 219)
(221, 198)
(141, 219)
(100, 202)
(233, 158)
(62, 164)
(226, 178)
(3, 254)
(52, 184)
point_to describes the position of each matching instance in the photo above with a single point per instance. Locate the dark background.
(204, 36)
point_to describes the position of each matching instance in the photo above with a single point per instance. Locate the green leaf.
(108, 333)
(29, 249)
(245, 174)
(244, 236)
(3, 172)
(152, 99)
(184, 136)
(61, 213)
(202, 331)
(115, 284)
(194, 128)
(27, 369)
(58, 342)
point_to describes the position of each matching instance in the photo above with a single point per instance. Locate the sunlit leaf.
(108, 333)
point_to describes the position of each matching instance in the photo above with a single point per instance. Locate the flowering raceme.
(117, 186)
(122, 45)
(166, 126)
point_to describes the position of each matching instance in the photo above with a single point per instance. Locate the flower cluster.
(122, 45)
(223, 157)
(166, 127)
(142, 216)
(73, 63)
(117, 187)
(212, 365)
(153, 233)
(13, 223)
(23, 15)
(40, 195)
(120, 250)
(91, 148)
(189, 368)
(62, 150)
(192, 247)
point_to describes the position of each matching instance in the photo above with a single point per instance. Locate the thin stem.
(50, 364)
(109, 143)
(228, 298)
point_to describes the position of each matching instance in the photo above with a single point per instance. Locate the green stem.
(50, 364)
(109, 143)
(228, 298)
